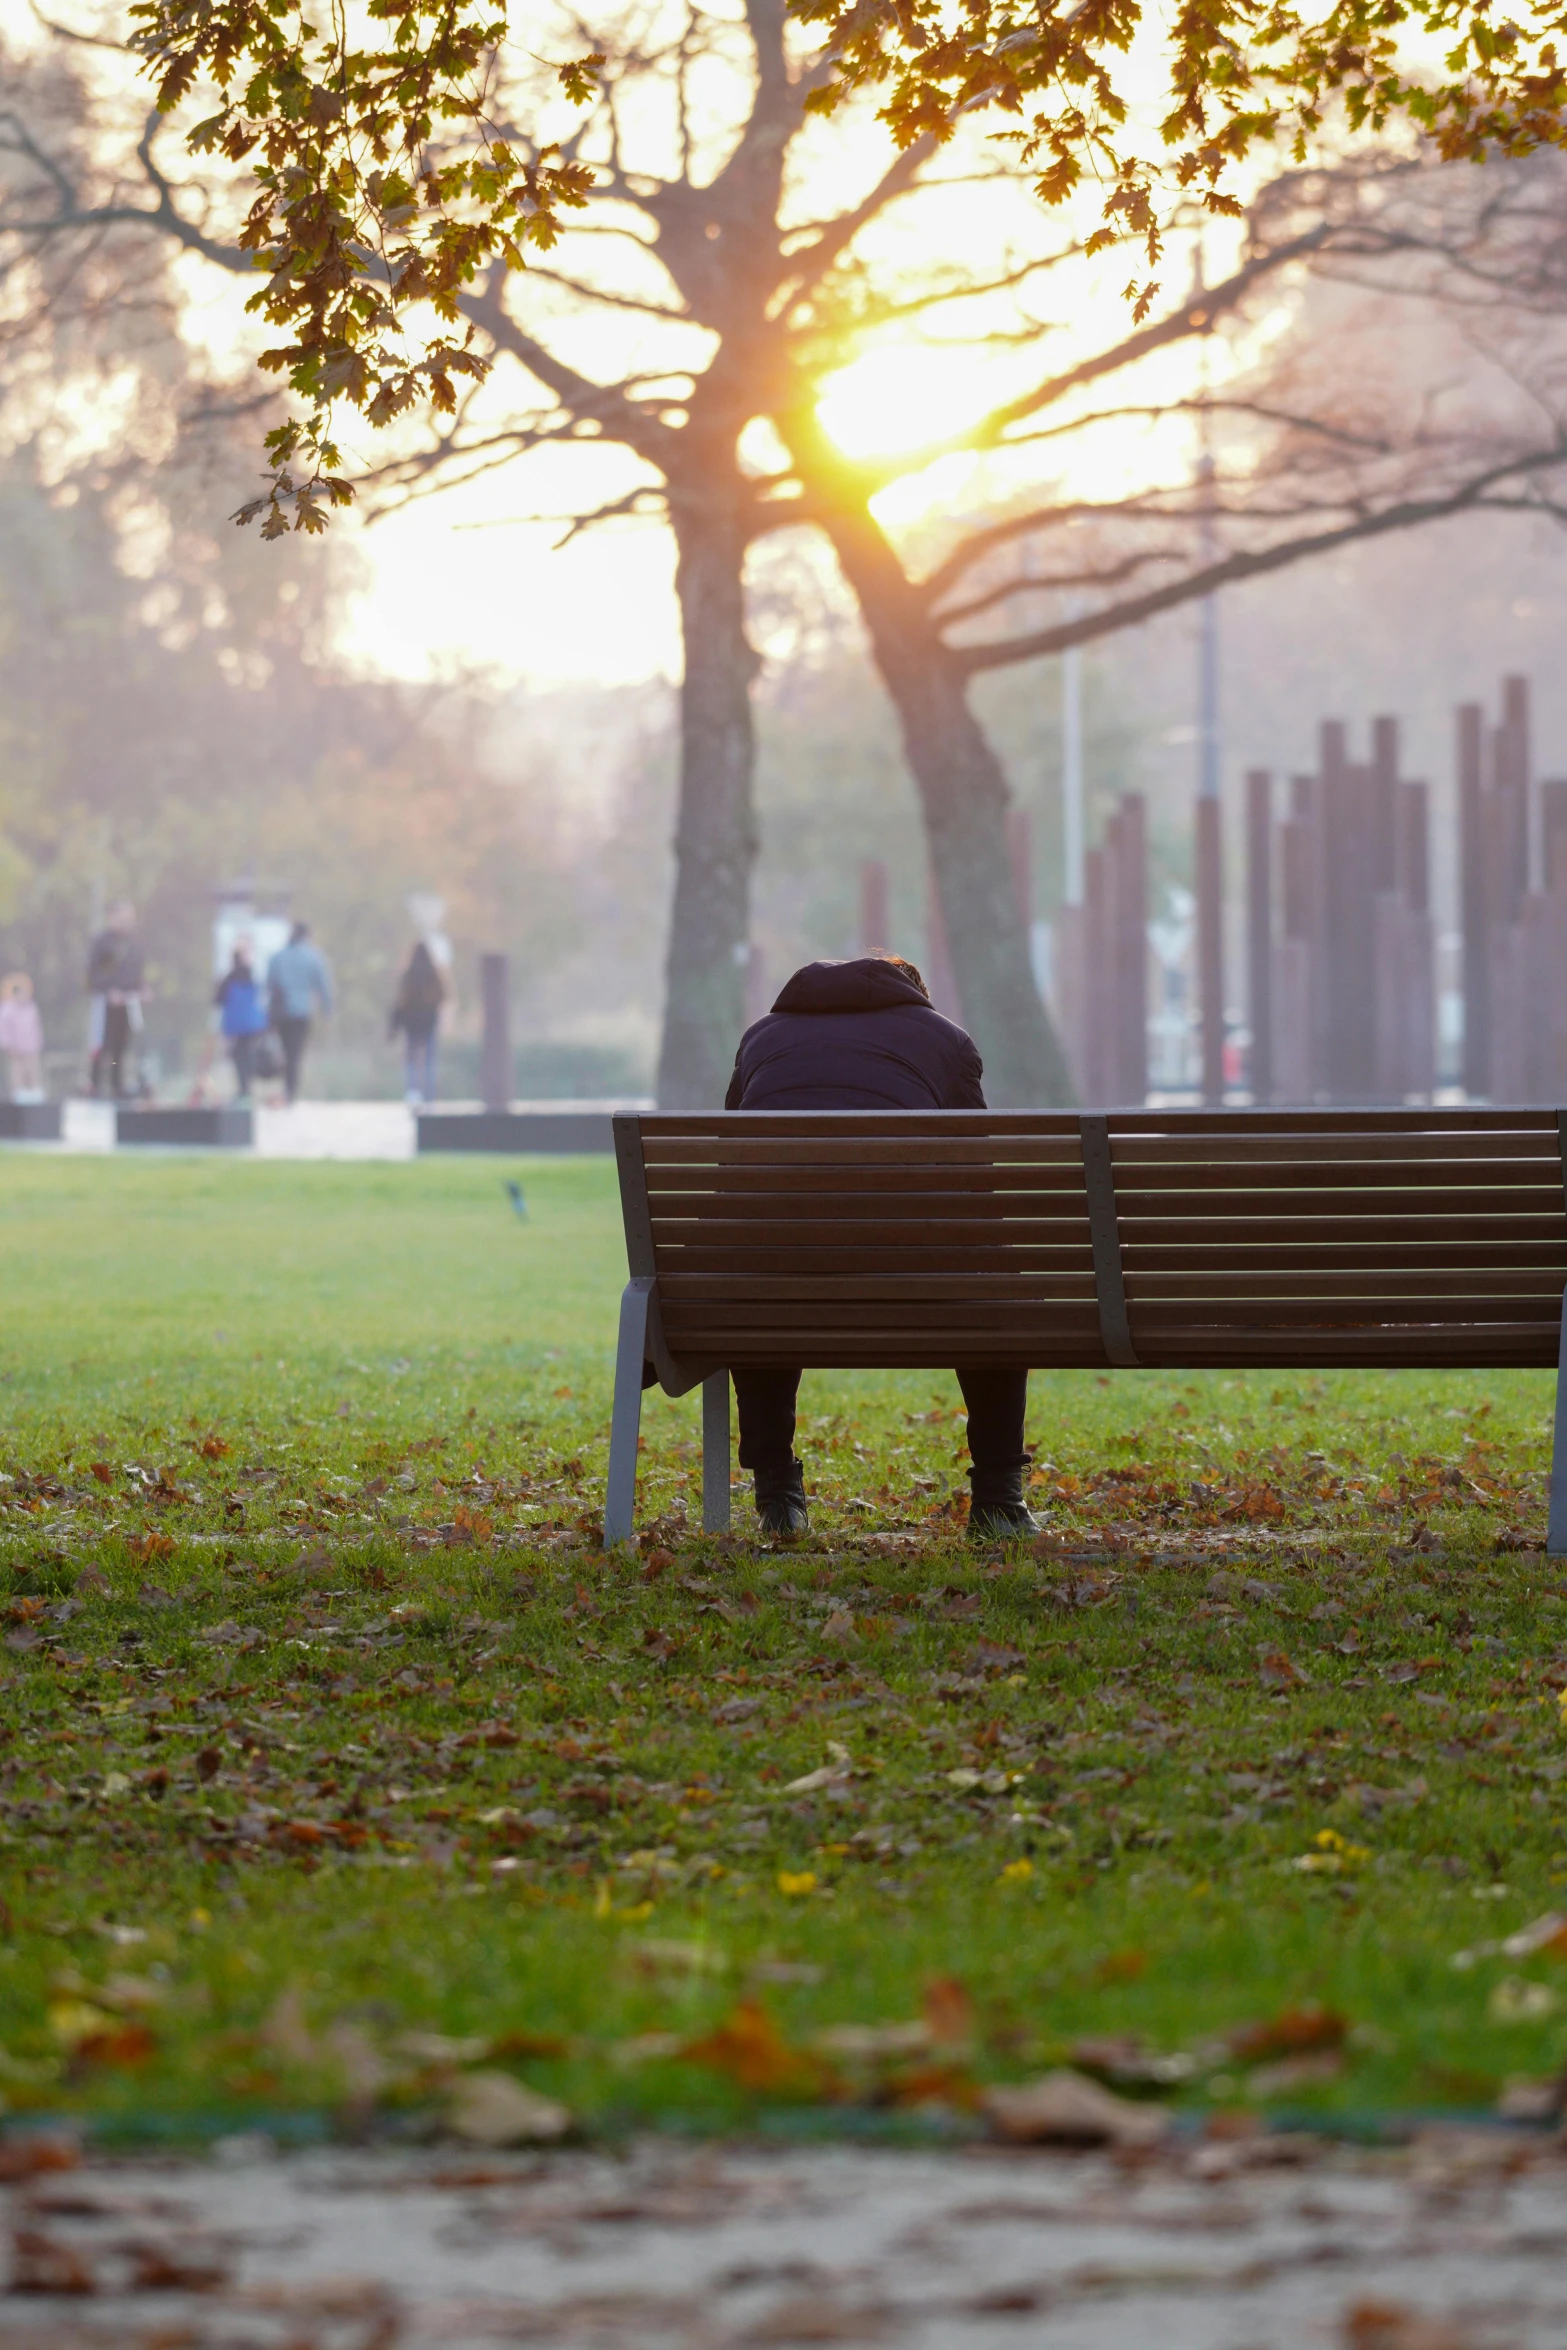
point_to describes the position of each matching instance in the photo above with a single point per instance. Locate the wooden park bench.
(1178, 1239)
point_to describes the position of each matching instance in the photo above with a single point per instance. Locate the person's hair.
(299, 931)
(909, 970)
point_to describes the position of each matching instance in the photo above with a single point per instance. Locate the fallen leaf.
(120, 2044)
(491, 2109)
(1295, 2072)
(871, 2043)
(990, 1656)
(1122, 1966)
(1277, 1671)
(1294, 2031)
(1067, 2109)
(176, 2268)
(1517, 2001)
(830, 1775)
(749, 2048)
(1392, 2325)
(948, 2012)
(41, 2264)
(839, 1627)
(30, 2155)
(74, 2020)
(680, 1958)
(813, 2319)
(441, 2048)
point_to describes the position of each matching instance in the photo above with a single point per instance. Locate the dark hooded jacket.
(855, 1036)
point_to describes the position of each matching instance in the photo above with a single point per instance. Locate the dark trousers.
(997, 1401)
(292, 1034)
(243, 1052)
(114, 1051)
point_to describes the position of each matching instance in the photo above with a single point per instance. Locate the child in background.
(21, 1038)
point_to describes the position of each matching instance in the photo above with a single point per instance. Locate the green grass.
(323, 1721)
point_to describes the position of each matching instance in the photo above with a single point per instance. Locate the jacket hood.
(866, 984)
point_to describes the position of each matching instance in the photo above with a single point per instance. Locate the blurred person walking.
(21, 1038)
(299, 985)
(241, 1007)
(421, 992)
(116, 972)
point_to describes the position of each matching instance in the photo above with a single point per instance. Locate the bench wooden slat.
(770, 1314)
(878, 1151)
(897, 1207)
(1459, 1281)
(1378, 1195)
(1379, 1119)
(1478, 1254)
(1344, 1234)
(794, 1256)
(938, 1232)
(1303, 1150)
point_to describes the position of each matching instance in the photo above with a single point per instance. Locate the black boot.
(998, 1512)
(780, 1500)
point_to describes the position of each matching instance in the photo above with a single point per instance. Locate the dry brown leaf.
(1294, 2031)
(1277, 1671)
(751, 2050)
(1392, 2325)
(41, 2264)
(29, 2156)
(948, 2012)
(491, 2109)
(1066, 2109)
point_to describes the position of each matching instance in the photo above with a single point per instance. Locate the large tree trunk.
(963, 794)
(715, 830)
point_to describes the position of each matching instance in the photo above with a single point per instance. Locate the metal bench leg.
(620, 1502)
(1556, 1524)
(715, 1453)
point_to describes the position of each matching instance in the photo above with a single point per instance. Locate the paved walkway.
(1458, 2243)
(310, 1130)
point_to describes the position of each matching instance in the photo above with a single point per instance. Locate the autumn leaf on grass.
(948, 2012)
(152, 1546)
(1294, 2031)
(751, 2051)
(1277, 1671)
(839, 1627)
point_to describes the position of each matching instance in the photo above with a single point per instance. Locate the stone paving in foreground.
(1458, 2242)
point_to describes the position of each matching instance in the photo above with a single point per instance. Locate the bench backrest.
(1291, 1238)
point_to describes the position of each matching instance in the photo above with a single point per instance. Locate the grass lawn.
(336, 1761)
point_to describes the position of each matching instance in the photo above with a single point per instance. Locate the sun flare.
(899, 399)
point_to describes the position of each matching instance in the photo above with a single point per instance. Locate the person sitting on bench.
(864, 1035)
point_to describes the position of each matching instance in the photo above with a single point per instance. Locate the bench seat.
(1175, 1239)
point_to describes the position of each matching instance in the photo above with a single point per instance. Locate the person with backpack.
(416, 1013)
(241, 1006)
(299, 984)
